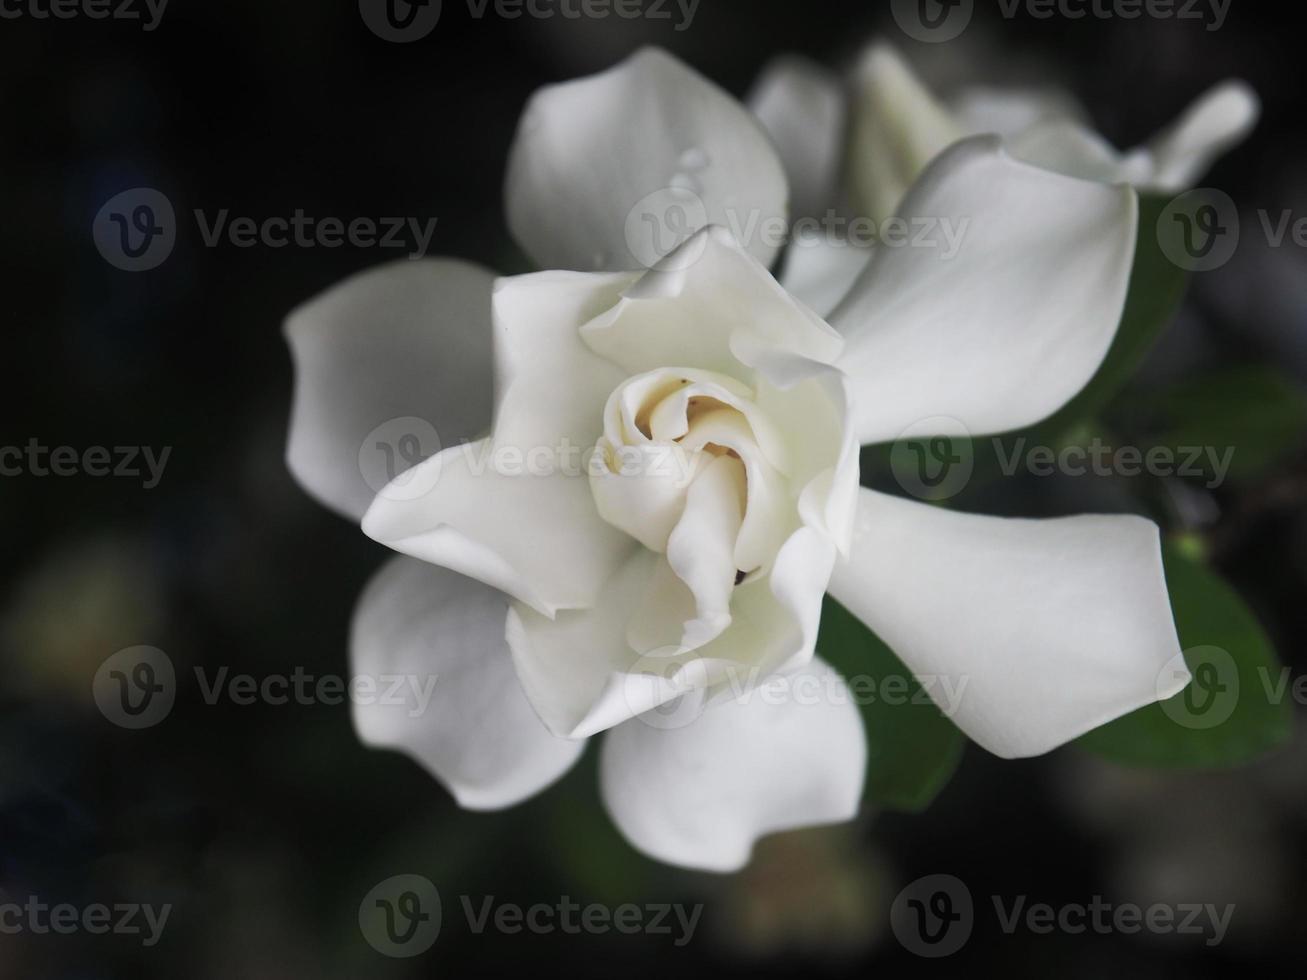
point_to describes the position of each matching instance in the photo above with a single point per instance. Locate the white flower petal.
(537, 537)
(701, 548)
(896, 128)
(589, 152)
(710, 305)
(820, 270)
(1005, 331)
(573, 667)
(801, 105)
(463, 716)
(1008, 112)
(551, 386)
(1068, 148)
(1218, 121)
(701, 795)
(1029, 633)
(589, 670)
(404, 340)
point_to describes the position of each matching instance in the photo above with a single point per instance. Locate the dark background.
(265, 826)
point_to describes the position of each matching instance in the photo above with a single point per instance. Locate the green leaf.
(1253, 410)
(912, 749)
(1238, 705)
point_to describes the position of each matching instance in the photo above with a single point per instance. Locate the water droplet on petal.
(685, 182)
(694, 159)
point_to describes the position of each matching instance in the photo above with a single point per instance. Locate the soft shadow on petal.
(1005, 313)
(411, 339)
(801, 105)
(700, 794)
(820, 270)
(596, 159)
(536, 536)
(1027, 633)
(550, 385)
(463, 715)
(589, 670)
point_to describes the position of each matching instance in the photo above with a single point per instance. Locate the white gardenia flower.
(668, 484)
(876, 140)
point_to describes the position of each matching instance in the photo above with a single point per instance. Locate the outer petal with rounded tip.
(463, 715)
(1002, 326)
(1037, 630)
(791, 754)
(1218, 121)
(801, 105)
(589, 151)
(408, 339)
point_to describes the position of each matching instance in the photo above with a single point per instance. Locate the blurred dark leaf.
(1253, 409)
(1257, 716)
(912, 749)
